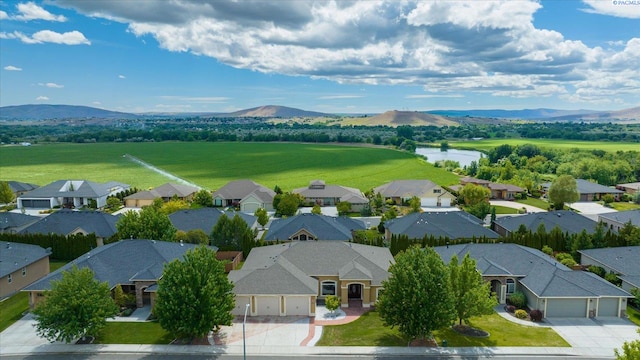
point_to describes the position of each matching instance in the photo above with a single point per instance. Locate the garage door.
(297, 305)
(429, 202)
(36, 204)
(241, 302)
(566, 308)
(250, 207)
(608, 307)
(268, 305)
(445, 202)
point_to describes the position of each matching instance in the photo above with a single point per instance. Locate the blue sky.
(338, 57)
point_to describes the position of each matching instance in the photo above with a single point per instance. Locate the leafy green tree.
(629, 234)
(392, 213)
(203, 198)
(76, 306)
(197, 236)
(233, 234)
(472, 295)
(113, 203)
(417, 296)
(121, 299)
(415, 204)
(194, 295)
(630, 350)
(563, 189)
(405, 131)
(479, 210)
(149, 223)
(262, 215)
(6, 195)
(288, 204)
(173, 205)
(316, 209)
(493, 214)
(343, 207)
(444, 145)
(332, 303)
(474, 194)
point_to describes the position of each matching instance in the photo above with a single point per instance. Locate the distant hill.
(398, 118)
(45, 112)
(630, 116)
(275, 111)
(526, 114)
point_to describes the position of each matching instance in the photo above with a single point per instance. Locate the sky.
(327, 56)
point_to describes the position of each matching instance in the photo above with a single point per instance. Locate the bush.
(521, 314)
(511, 309)
(562, 256)
(518, 299)
(568, 262)
(600, 271)
(613, 278)
(127, 312)
(547, 250)
(535, 315)
(608, 198)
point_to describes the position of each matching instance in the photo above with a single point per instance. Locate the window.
(328, 288)
(9, 279)
(24, 271)
(437, 191)
(511, 286)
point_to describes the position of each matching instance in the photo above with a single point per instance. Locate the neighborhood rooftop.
(15, 256)
(319, 227)
(451, 224)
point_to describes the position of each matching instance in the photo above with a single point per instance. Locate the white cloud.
(3, 15)
(121, 77)
(12, 68)
(42, 98)
(31, 11)
(47, 36)
(96, 103)
(331, 97)
(618, 8)
(51, 85)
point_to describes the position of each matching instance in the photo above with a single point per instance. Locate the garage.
(608, 307)
(297, 305)
(445, 202)
(566, 308)
(428, 202)
(268, 305)
(250, 207)
(241, 302)
(36, 203)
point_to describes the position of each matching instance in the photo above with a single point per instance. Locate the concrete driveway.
(595, 336)
(591, 209)
(516, 205)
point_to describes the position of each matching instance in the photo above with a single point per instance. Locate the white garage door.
(428, 202)
(566, 308)
(241, 302)
(445, 202)
(268, 305)
(250, 207)
(608, 307)
(297, 305)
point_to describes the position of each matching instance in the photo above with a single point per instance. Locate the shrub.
(518, 299)
(535, 315)
(127, 312)
(598, 270)
(608, 198)
(568, 262)
(547, 250)
(511, 309)
(521, 314)
(613, 278)
(562, 256)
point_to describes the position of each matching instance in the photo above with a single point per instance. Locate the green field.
(488, 144)
(211, 165)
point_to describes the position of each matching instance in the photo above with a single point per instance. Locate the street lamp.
(244, 339)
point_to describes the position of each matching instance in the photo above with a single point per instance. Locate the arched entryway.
(354, 292)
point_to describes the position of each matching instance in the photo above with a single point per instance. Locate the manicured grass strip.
(488, 144)
(634, 315)
(11, 309)
(133, 333)
(369, 331)
(624, 206)
(55, 265)
(504, 209)
(534, 202)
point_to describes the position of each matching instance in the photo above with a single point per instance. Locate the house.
(165, 192)
(330, 195)
(313, 227)
(11, 222)
(245, 194)
(20, 265)
(498, 191)
(622, 261)
(20, 188)
(450, 224)
(206, 218)
(617, 220)
(568, 221)
(401, 191)
(70, 194)
(588, 190)
(549, 286)
(69, 222)
(288, 279)
(629, 188)
(136, 265)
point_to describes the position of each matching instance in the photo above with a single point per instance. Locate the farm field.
(488, 144)
(211, 165)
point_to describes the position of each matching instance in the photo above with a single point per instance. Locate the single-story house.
(288, 279)
(430, 193)
(568, 221)
(69, 222)
(330, 195)
(313, 227)
(206, 218)
(588, 190)
(18, 188)
(549, 286)
(70, 193)
(136, 265)
(245, 194)
(451, 224)
(20, 265)
(166, 192)
(622, 261)
(12, 222)
(498, 191)
(617, 220)
(629, 188)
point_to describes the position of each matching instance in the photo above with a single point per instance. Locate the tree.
(173, 205)
(630, 350)
(563, 189)
(444, 145)
(203, 198)
(149, 223)
(76, 306)
(194, 295)
(113, 203)
(472, 295)
(316, 209)
(493, 214)
(233, 234)
(288, 204)
(417, 295)
(262, 215)
(415, 204)
(332, 303)
(405, 131)
(343, 207)
(474, 194)
(6, 194)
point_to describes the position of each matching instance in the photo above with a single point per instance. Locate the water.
(464, 157)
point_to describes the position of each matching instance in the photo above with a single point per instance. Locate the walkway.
(516, 205)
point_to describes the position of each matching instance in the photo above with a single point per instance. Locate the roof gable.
(321, 226)
(65, 222)
(451, 224)
(567, 221)
(15, 256)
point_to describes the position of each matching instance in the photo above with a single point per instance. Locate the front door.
(355, 291)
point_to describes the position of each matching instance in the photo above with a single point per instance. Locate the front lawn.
(534, 202)
(12, 309)
(504, 209)
(634, 315)
(133, 333)
(369, 331)
(624, 206)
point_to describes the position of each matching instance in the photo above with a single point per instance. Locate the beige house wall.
(138, 203)
(33, 272)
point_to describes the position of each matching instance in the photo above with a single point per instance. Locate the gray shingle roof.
(15, 256)
(405, 188)
(566, 220)
(452, 224)
(623, 216)
(167, 190)
(120, 262)
(83, 188)
(15, 221)
(588, 187)
(204, 218)
(318, 190)
(240, 189)
(624, 260)
(65, 222)
(17, 186)
(321, 226)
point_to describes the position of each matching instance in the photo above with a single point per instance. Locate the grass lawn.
(634, 315)
(369, 331)
(504, 209)
(12, 309)
(534, 202)
(211, 165)
(488, 144)
(133, 333)
(624, 206)
(55, 265)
